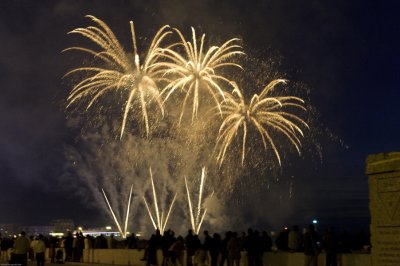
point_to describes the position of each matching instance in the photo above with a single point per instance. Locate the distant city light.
(56, 234)
(314, 221)
(108, 227)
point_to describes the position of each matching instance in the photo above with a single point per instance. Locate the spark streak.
(125, 231)
(161, 222)
(196, 218)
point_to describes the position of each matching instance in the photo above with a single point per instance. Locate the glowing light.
(195, 71)
(196, 217)
(122, 232)
(56, 234)
(161, 221)
(267, 114)
(118, 71)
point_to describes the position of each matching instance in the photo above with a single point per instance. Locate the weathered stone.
(383, 162)
(383, 172)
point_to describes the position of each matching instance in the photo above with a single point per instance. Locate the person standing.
(249, 246)
(39, 249)
(329, 244)
(223, 251)
(21, 249)
(311, 249)
(207, 243)
(234, 249)
(214, 249)
(176, 252)
(152, 246)
(4, 245)
(294, 239)
(191, 244)
(68, 246)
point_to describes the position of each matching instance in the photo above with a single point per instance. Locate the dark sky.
(347, 52)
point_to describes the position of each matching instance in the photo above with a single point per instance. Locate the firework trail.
(161, 221)
(266, 113)
(121, 72)
(196, 218)
(125, 231)
(195, 70)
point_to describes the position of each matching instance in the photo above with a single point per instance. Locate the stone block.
(383, 172)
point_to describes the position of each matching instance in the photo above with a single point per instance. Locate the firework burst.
(195, 70)
(268, 114)
(118, 71)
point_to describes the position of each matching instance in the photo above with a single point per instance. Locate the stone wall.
(383, 172)
(131, 257)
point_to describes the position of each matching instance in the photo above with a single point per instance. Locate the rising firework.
(268, 114)
(161, 221)
(196, 70)
(118, 71)
(125, 231)
(196, 217)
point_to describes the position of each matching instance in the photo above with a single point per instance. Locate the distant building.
(62, 225)
(58, 227)
(34, 230)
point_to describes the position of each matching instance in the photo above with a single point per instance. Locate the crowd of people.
(206, 249)
(215, 250)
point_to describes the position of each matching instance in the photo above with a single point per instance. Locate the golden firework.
(195, 70)
(268, 114)
(119, 71)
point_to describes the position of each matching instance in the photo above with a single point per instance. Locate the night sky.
(346, 52)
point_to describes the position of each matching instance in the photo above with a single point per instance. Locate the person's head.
(22, 233)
